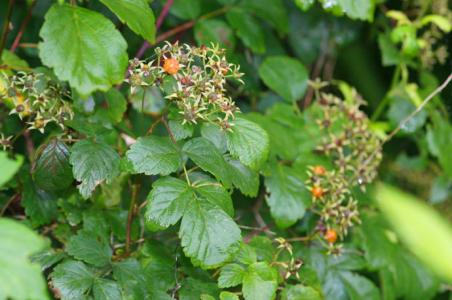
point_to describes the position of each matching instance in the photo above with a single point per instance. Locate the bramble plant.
(227, 149)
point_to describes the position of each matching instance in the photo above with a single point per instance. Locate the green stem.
(383, 103)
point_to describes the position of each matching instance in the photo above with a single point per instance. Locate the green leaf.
(202, 152)
(72, 279)
(105, 289)
(286, 76)
(247, 29)
(131, 279)
(260, 282)
(83, 47)
(192, 289)
(228, 296)
(300, 292)
(20, 279)
(440, 21)
(9, 167)
(415, 222)
(362, 10)
(248, 142)
(93, 163)
(231, 275)
(214, 31)
(13, 61)
(115, 107)
(215, 134)
(186, 9)
(168, 201)
(359, 287)
(274, 12)
(180, 131)
(39, 205)
(288, 196)
(52, 171)
(208, 235)
(154, 155)
(215, 193)
(390, 55)
(90, 247)
(439, 139)
(245, 179)
(136, 14)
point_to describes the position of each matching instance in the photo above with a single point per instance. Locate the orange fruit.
(319, 170)
(330, 236)
(317, 192)
(171, 66)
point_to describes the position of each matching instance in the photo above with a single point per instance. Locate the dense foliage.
(225, 149)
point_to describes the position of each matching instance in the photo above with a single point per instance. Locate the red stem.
(159, 22)
(22, 27)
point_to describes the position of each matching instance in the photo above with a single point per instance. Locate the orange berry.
(319, 170)
(330, 236)
(317, 192)
(171, 66)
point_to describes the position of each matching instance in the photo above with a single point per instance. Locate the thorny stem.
(133, 200)
(403, 123)
(22, 27)
(165, 122)
(6, 27)
(8, 203)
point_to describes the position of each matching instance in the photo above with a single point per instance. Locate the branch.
(22, 27)
(130, 218)
(6, 27)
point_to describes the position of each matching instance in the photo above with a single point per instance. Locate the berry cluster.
(37, 99)
(194, 78)
(356, 154)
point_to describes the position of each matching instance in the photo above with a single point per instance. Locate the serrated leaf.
(245, 179)
(228, 296)
(168, 201)
(89, 247)
(208, 235)
(93, 163)
(248, 142)
(231, 275)
(202, 152)
(40, 206)
(288, 197)
(136, 14)
(130, 277)
(260, 282)
(300, 292)
(286, 76)
(72, 279)
(213, 133)
(105, 289)
(83, 47)
(9, 167)
(52, 171)
(215, 193)
(180, 131)
(154, 155)
(247, 29)
(20, 279)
